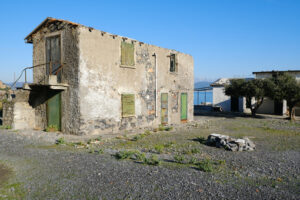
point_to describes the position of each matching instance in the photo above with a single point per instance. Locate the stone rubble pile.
(231, 144)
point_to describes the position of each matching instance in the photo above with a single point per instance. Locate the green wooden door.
(183, 109)
(54, 111)
(164, 108)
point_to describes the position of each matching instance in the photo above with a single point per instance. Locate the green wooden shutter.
(127, 54)
(128, 105)
(183, 106)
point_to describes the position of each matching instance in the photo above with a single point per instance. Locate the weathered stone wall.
(69, 59)
(17, 113)
(103, 80)
(8, 113)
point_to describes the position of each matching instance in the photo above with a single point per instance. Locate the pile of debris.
(231, 144)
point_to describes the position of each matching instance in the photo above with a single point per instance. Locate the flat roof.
(274, 71)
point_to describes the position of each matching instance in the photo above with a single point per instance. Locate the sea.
(203, 97)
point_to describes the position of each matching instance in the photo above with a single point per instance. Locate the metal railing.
(55, 72)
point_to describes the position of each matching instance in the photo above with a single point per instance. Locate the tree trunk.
(253, 112)
(291, 113)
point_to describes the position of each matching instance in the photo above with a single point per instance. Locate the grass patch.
(208, 165)
(138, 156)
(159, 148)
(178, 158)
(5, 127)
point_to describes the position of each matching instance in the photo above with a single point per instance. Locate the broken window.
(128, 105)
(127, 54)
(173, 63)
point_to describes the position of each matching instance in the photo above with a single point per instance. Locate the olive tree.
(253, 90)
(284, 87)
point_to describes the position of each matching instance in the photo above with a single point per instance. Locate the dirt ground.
(171, 163)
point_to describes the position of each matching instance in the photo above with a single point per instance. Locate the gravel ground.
(45, 171)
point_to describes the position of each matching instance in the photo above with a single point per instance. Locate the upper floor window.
(173, 63)
(127, 54)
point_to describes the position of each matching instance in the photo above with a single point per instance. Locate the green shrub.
(5, 127)
(205, 165)
(152, 160)
(60, 141)
(178, 158)
(164, 128)
(147, 132)
(140, 156)
(159, 148)
(121, 155)
(138, 137)
(193, 161)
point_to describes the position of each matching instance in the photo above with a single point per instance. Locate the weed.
(193, 161)
(191, 151)
(164, 128)
(99, 151)
(60, 141)
(169, 144)
(121, 155)
(147, 132)
(205, 165)
(159, 148)
(98, 139)
(152, 160)
(178, 158)
(5, 127)
(140, 156)
(52, 128)
(138, 137)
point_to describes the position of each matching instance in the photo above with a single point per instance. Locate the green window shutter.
(128, 105)
(127, 54)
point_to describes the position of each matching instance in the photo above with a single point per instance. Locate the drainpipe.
(155, 83)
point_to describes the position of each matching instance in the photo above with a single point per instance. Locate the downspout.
(155, 63)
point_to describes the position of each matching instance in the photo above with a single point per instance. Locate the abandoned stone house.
(87, 81)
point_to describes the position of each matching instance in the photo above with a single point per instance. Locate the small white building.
(274, 107)
(227, 103)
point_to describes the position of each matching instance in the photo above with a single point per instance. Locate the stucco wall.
(103, 80)
(220, 99)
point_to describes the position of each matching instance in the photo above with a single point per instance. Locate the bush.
(159, 148)
(153, 160)
(138, 137)
(205, 165)
(164, 128)
(121, 155)
(60, 141)
(178, 158)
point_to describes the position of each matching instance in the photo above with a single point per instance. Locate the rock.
(231, 144)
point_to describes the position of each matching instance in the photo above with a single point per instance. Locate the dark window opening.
(172, 63)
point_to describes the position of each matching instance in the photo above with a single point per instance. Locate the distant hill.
(18, 84)
(201, 84)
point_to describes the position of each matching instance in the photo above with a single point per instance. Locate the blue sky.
(227, 38)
